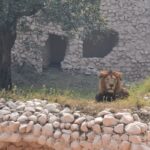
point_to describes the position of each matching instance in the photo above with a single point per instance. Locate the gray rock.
(67, 118)
(33, 118)
(56, 124)
(30, 138)
(42, 140)
(14, 138)
(109, 120)
(96, 128)
(37, 128)
(75, 135)
(29, 126)
(98, 120)
(139, 147)
(83, 127)
(103, 113)
(42, 119)
(74, 127)
(13, 127)
(22, 119)
(108, 130)
(119, 128)
(126, 119)
(21, 107)
(90, 123)
(106, 138)
(66, 138)
(52, 119)
(135, 139)
(31, 109)
(11, 105)
(57, 134)
(47, 130)
(97, 142)
(125, 145)
(75, 145)
(66, 110)
(22, 128)
(80, 120)
(53, 108)
(4, 112)
(136, 128)
(14, 116)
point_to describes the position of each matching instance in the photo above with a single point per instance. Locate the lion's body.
(110, 86)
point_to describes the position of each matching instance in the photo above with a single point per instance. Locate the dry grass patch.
(83, 100)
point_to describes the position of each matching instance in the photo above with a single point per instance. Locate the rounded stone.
(56, 124)
(75, 135)
(14, 116)
(109, 120)
(33, 118)
(22, 119)
(74, 127)
(22, 128)
(84, 127)
(67, 118)
(96, 128)
(75, 145)
(42, 119)
(57, 134)
(42, 140)
(47, 130)
(37, 129)
(53, 108)
(136, 128)
(119, 128)
(29, 126)
(126, 119)
(125, 145)
(90, 123)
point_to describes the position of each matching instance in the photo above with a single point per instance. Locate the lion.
(110, 86)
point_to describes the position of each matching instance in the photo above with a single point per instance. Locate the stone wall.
(131, 19)
(132, 55)
(30, 44)
(37, 124)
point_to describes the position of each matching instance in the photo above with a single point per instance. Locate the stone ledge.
(39, 125)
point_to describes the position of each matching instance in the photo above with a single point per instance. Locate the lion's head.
(110, 81)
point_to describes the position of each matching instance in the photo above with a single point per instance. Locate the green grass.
(82, 99)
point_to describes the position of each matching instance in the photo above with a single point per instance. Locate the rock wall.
(37, 124)
(131, 56)
(32, 35)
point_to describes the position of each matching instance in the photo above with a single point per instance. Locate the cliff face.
(130, 18)
(37, 124)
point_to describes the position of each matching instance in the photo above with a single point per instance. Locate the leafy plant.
(82, 16)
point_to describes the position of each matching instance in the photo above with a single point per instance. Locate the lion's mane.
(118, 92)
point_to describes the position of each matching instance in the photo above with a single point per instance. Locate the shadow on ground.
(55, 78)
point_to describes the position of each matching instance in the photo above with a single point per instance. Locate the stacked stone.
(37, 124)
(131, 56)
(130, 19)
(32, 35)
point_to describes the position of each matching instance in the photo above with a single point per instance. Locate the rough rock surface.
(54, 127)
(130, 18)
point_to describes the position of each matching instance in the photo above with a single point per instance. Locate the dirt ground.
(55, 78)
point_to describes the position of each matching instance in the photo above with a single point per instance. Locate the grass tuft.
(83, 99)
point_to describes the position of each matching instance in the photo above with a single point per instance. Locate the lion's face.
(110, 83)
(110, 86)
